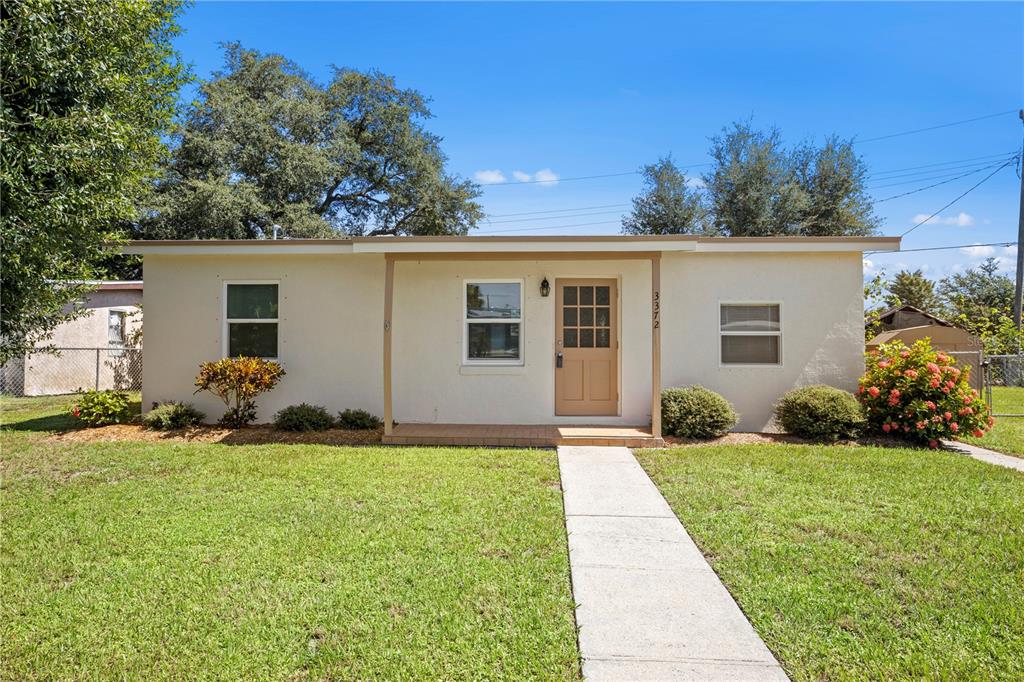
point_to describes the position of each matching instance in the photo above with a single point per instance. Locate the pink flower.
(954, 427)
(966, 411)
(882, 364)
(933, 368)
(911, 373)
(951, 384)
(948, 415)
(873, 391)
(945, 389)
(930, 405)
(933, 444)
(977, 433)
(943, 357)
(991, 421)
(894, 400)
(934, 383)
(920, 425)
(886, 427)
(968, 400)
(860, 389)
(904, 353)
(895, 392)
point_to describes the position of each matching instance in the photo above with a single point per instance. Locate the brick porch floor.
(509, 435)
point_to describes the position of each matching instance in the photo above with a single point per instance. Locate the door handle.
(558, 360)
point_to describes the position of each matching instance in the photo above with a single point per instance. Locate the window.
(116, 327)
(751, 334)
(250, 319)
(586, 317)
(493, 316)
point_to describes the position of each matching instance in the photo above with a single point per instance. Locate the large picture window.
(250, 319)
(493, 322)
(751, 334)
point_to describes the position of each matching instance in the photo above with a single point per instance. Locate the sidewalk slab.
(986, 455)
(649, 607)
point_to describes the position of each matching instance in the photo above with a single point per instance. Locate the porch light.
(545, 288)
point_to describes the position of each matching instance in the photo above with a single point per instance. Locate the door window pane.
(586, 317)
(602, 338)
(750, 318)
(569, 338)
(586, 295)
(493, 341)
(750, 350)
(569, 296)
(603, 318)
(603, 295)
(569, 317)
(252, 339)
(252, 301)
(586, 338)
(493, 300)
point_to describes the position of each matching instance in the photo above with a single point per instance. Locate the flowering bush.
(100, 408)
(237, 381)
(920, 394)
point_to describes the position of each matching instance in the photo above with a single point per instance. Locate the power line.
(940, 176)
(941, 248)
(947, 169)
(946, 163)
(557, 210)
(943, 125)
(979, 184)
(921, 189)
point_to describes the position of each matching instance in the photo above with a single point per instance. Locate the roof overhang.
(624, 244)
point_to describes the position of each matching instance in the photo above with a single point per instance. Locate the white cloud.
(521, 176)
(977, 252)
(489, 177)
(959, 220)
(869, 267)
(695, 183)
(546, 177)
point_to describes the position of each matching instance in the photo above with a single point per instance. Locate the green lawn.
(1008, 433)
(862, 563)
(151, 560)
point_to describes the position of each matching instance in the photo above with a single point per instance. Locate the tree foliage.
(88, 87)
(914, 289)
(266, 145)
(667, 205)
(758, 188)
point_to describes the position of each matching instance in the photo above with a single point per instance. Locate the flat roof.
(498, 244)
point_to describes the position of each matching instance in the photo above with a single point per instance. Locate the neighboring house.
(496, 330)
(91, 347)
(909, 324)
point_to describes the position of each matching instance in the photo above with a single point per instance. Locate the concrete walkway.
(648, 605)
(986, 455)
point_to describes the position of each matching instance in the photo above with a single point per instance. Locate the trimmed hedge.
(303, 417)
(696, 412)
(358, 420)
(821, 413)
(173, 415)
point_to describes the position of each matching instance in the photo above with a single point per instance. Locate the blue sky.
(556, 91)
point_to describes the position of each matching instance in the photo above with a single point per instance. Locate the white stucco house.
(509, 331)
(91, 347)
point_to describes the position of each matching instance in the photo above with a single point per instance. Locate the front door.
(586, 347)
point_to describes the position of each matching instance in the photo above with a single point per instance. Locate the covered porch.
(525, 436)
(434, 394)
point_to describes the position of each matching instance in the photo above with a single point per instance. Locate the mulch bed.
(738, 438)
(252, 435)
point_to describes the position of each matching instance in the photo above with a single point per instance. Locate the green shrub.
(303, 417)
(696, 412)
(237, 382)
(358, 420)
(820, 413)
(173, 415)
(100, 408)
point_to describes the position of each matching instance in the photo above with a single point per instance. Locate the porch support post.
(656, 345)
(389, 298)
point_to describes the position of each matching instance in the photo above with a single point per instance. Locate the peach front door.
(586, 340)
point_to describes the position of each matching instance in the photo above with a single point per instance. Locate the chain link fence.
(1003, 374)
(67, 370)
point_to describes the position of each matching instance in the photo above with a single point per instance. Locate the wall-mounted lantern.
(545, 288)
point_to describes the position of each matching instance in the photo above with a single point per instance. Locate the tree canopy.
(667, 205)
(265, 145)
(87, 89)
(757, 187)
(914, 289)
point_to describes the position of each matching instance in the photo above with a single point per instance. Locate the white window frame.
(123, 312)
(225, 322)
(466, 360)
(778, 334)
